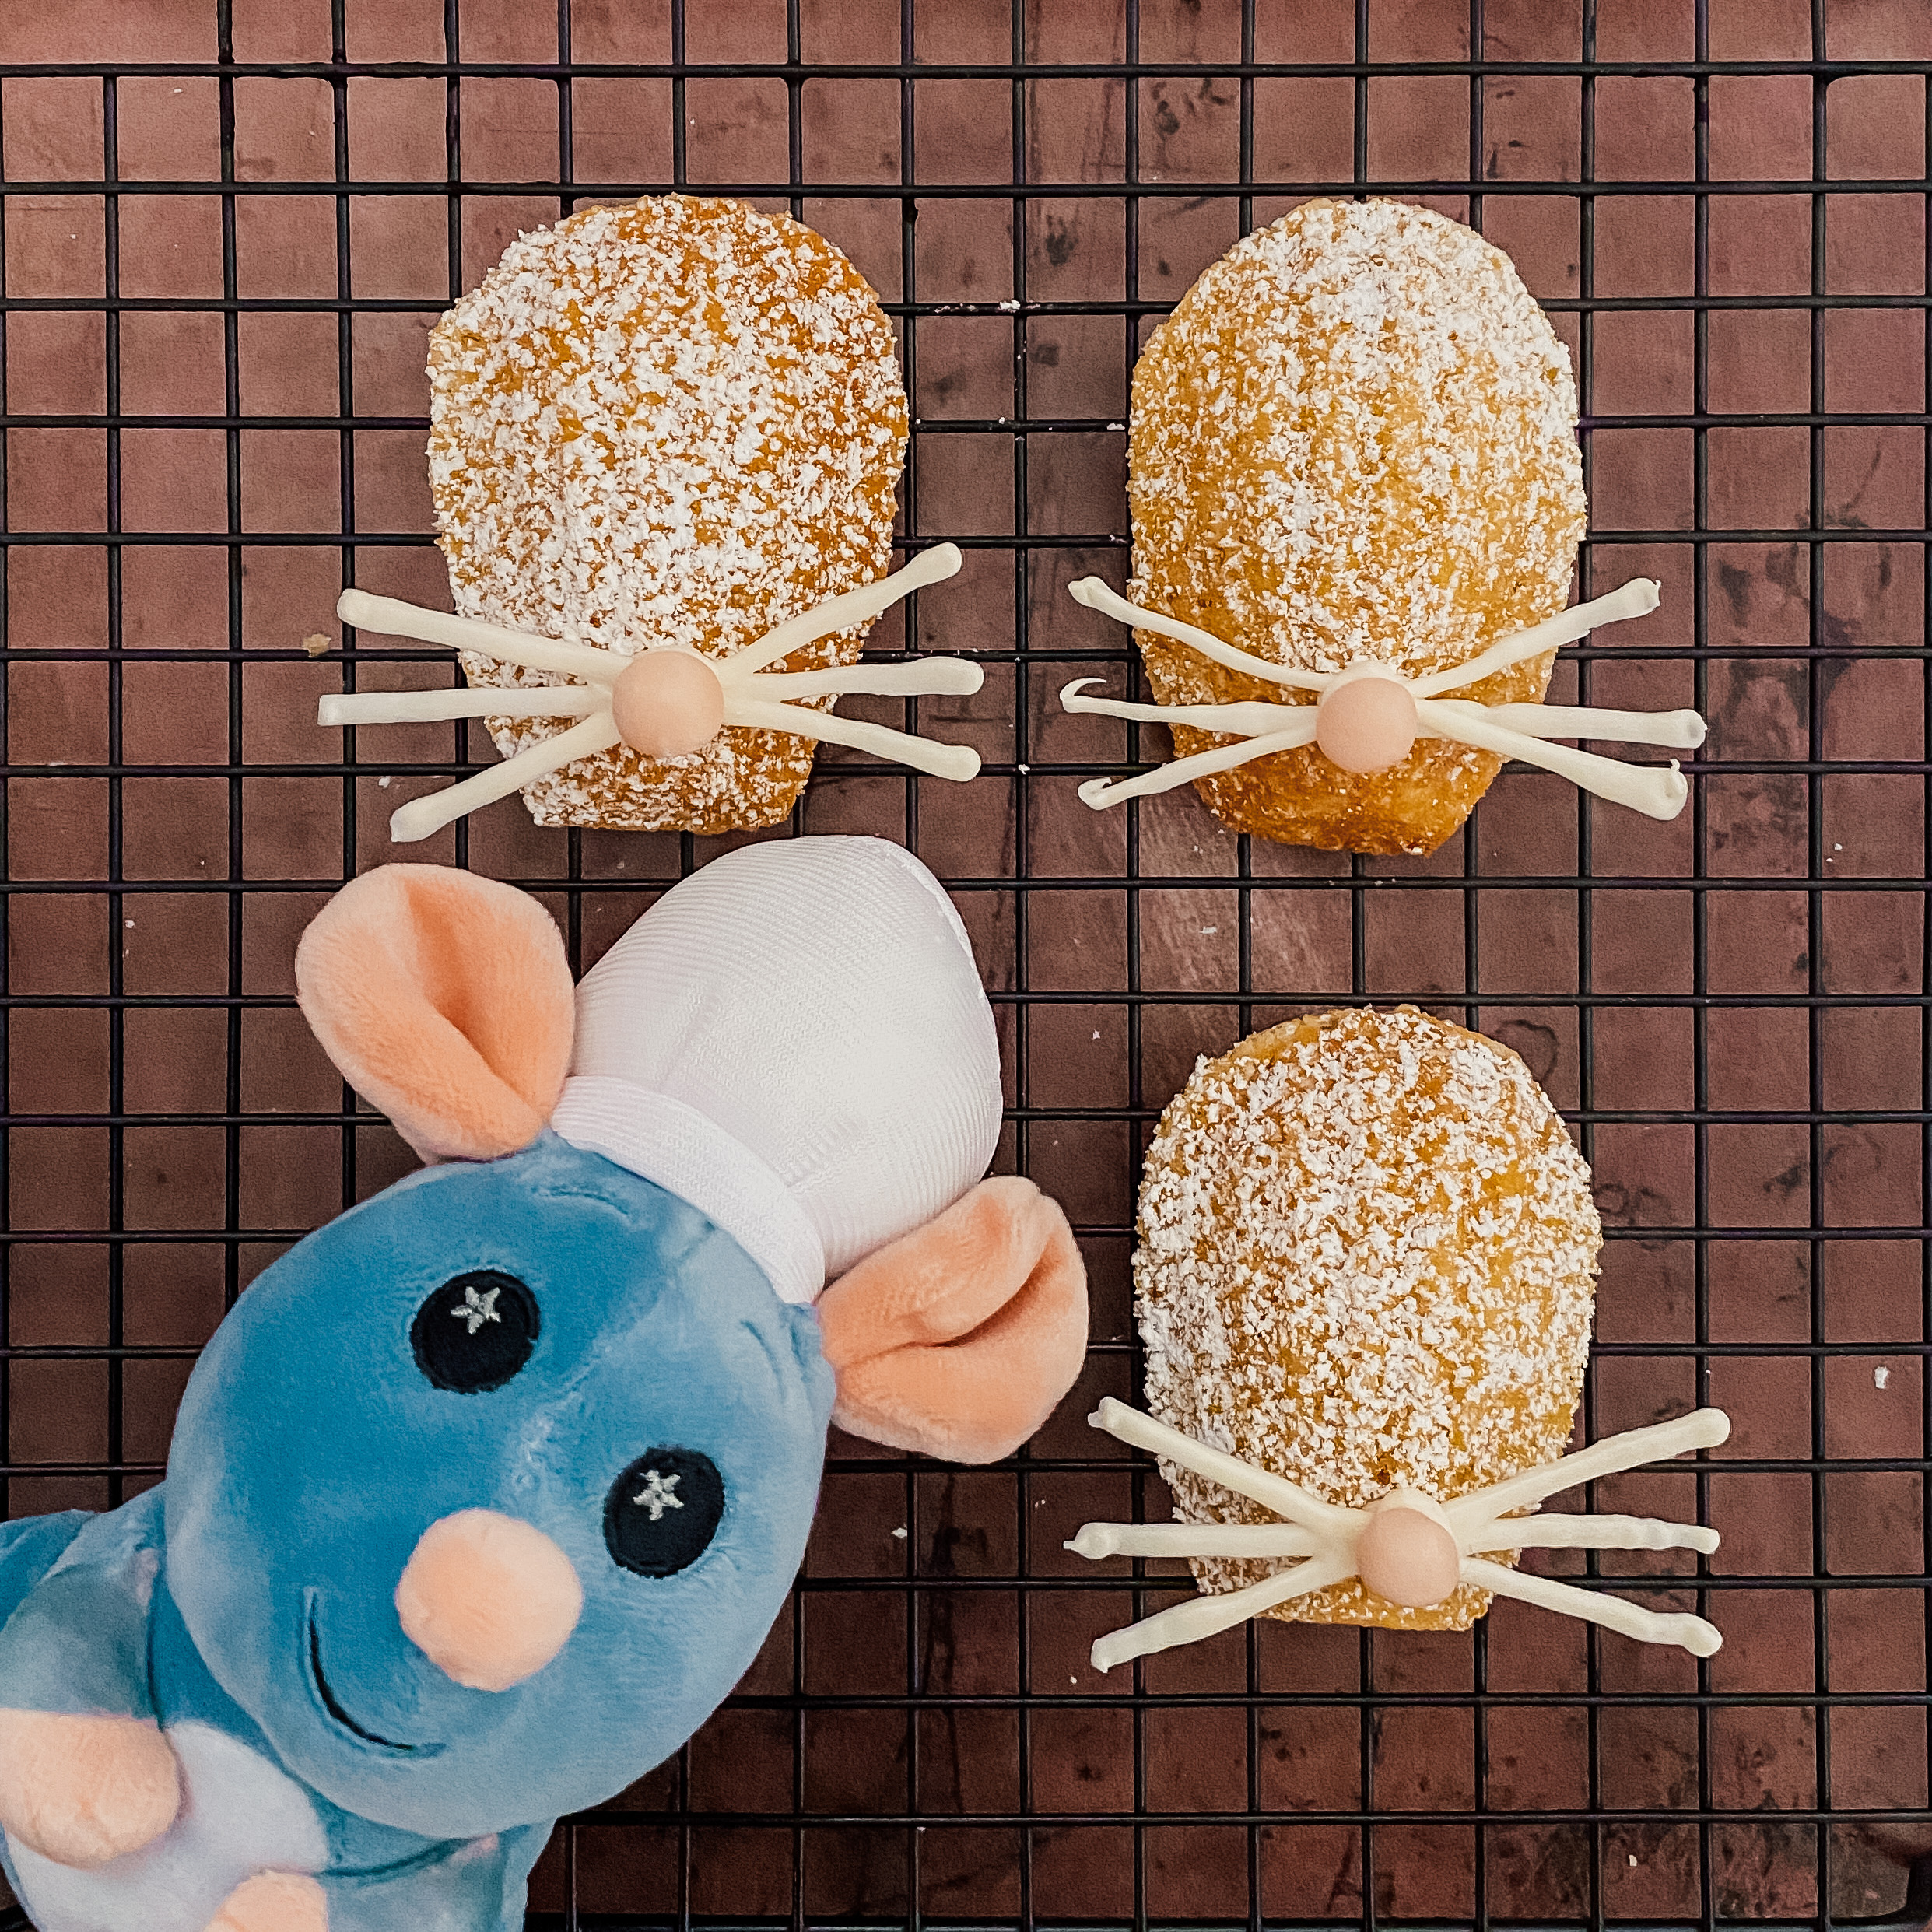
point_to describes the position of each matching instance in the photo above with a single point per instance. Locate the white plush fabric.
(796, 1041)
(240, 1814)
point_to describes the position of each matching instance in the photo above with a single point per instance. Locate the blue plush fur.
(311, 1453)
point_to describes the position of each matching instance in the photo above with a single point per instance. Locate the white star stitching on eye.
(477, 1309)
(656, 1495)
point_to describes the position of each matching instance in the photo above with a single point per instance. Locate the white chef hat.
(794, 1040)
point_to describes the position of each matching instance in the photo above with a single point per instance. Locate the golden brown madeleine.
(1354, 437)
(675, 422)
(1366, 1262)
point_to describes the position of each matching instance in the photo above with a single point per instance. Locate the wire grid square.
(228, 227)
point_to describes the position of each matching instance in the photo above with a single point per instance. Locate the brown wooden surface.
(1161, 928)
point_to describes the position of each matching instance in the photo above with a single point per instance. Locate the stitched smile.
(333, 1707)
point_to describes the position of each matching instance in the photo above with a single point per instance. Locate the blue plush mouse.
(484, 1495)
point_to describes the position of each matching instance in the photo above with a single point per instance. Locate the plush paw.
(273, 1901)
(82, 1790)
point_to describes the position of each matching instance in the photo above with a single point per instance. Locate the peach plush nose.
(487, 1599)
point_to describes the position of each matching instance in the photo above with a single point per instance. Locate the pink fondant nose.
(1365, 723)
(667, 703)
(1407, 1557)
(488, 1599)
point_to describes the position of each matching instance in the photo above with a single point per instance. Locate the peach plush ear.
(959, 1338)
(446, 1001)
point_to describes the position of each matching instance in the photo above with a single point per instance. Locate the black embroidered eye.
(663, 1511)
(476, 1332)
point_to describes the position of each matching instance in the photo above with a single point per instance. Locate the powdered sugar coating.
(678, 422)
(1354, 437)
(1366, 1262)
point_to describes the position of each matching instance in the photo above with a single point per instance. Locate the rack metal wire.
(227, 225)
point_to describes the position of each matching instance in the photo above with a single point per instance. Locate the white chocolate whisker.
(1702, 1429)
(957, 762)
(1658, 791)
(421, 816)
(415, 707)
(1634, 599)
(1336, 1544)
(1100, 793)
(920, 677)
(398, 619)
(1588, 1532)
(1285, 1498)
(1097, 596)
(1207, 1616)
(1250, 719)
(1680, 731)
(848, 608)
(671, 702)
(1378, 735)
(1096, 1540)
(1701, 1638)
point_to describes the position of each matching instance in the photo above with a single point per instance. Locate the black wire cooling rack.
(1730, 1010)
